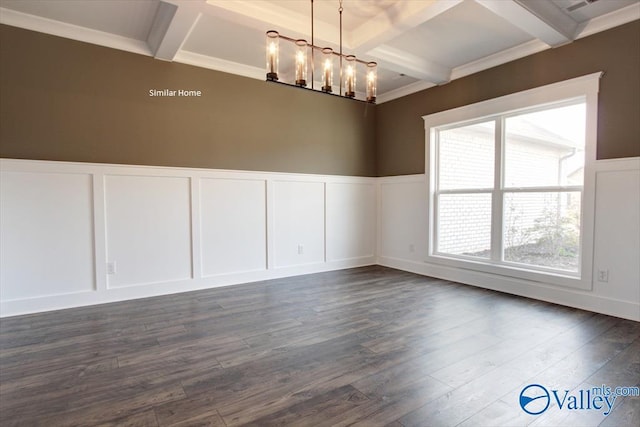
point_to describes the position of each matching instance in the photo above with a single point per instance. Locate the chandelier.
(347, 65)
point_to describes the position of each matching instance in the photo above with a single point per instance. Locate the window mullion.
(497, 199)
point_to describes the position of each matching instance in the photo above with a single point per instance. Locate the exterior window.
(507, 189)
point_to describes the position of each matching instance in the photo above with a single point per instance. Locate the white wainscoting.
(298, 214)
(148, 229)
(76, 234)
(168, 230)
(233, 225)
(347, 214)
(403, 224)
(46, 245)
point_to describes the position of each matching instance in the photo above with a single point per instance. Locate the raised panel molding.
(57, 222)
(299, 223)
(148, 229)
(616, 245)
(233, 226)
(351, 228)
(46, 234)
(167, 230)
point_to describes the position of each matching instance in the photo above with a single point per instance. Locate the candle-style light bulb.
(350, 76)
(327, 73)
(272, 55)
(372, 77)
(327, 82)
(301, 62)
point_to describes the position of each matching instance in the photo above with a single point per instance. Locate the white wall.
(403, 222)
(75, 234)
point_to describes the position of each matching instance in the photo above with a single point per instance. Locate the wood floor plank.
(368, 346)
(141, 419)
(324, 410)
(208, 420)
(188, 409)
(564, 362)
(626, 413)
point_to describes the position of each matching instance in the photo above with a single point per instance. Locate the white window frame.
(585, 87)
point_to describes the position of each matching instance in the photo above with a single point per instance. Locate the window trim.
(585, 87)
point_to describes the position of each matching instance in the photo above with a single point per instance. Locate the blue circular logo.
(534, 399)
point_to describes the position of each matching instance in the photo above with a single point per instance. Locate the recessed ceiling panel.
(219, 38)
(132, 19)
(462, 34)
(354, 14)
(390, 80)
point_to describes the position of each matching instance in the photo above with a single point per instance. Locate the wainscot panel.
(616, 243)
(77, 234)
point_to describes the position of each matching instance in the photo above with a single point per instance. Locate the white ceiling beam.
(171, 27)
(610, 20)
(405, 63)
(396, 20)
(552, 15)
(542, 19)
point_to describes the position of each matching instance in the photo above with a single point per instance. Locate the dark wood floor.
(367, 346)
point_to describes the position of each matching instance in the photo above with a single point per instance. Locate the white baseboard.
(524, 288)
(81, 299)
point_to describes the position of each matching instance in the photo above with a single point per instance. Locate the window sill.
(556, 277)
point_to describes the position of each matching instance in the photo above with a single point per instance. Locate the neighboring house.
(537, 157)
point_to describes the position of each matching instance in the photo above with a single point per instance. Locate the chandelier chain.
(340, 12)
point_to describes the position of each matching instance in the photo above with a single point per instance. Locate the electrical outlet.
(300, 249)
(111, 267)
(412, 248)
(603, 276)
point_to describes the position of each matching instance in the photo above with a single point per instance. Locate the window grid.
(499, 191)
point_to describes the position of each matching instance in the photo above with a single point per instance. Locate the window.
(510, 183)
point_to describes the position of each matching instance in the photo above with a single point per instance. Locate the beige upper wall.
(400, 128)
(66, 100)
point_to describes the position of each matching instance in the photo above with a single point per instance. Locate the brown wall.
(65, 100)
(400, 128)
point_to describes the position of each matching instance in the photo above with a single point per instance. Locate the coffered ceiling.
(417, 43)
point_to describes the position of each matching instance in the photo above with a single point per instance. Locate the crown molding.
(403, 91)
(70, 31)
(502, 57)
(204, 61)
(610, 20)
(87, 35)
(403, 62)
(593, 26)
